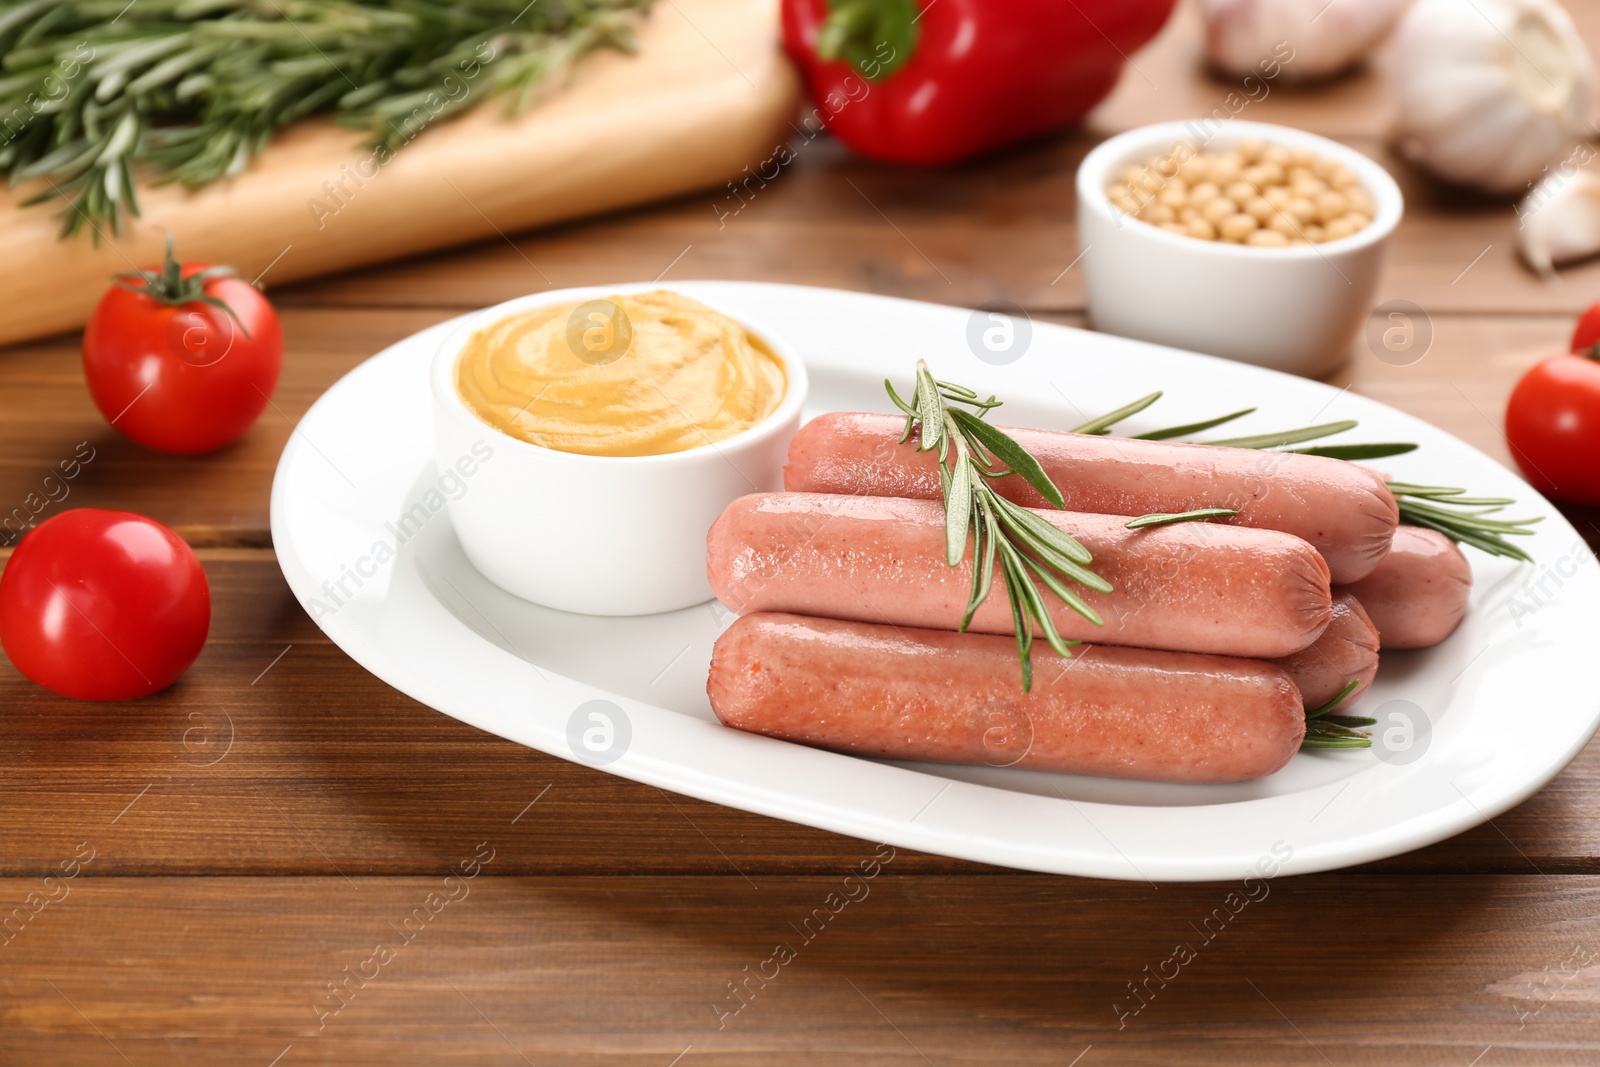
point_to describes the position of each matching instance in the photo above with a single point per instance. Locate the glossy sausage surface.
(901, 693)
(1342, 509)
(1347, 649)
(1419, 593)
(1191, 587)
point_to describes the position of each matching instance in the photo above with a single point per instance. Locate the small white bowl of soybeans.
(1255, 242)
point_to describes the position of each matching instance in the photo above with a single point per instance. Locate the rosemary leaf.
(1048, 553)
(1192, 427)
(1162, 519)
(1104, 423)
(1032, 600)
(1354, 452)
(1340, 698)
(986, 537)
(1322, 728)
(1319, 741)
(930, 411)
(1068, 597)
(910, 412)
(1008, 452)
(960, 394)
(1425, 491)
(1352, 721)
(1021, 620)
(1286, 437)
(1046, 531)
(957, 511)
(1493, 503)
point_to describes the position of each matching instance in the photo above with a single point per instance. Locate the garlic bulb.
(1323, 38)
(1559, 222)
(1490, 90)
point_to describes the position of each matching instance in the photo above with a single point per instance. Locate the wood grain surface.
(261, 830)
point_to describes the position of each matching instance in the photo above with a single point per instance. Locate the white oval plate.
(1503, 704)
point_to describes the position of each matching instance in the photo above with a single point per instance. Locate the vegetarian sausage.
(1347, 649)
(1418, 594)
(1344, 510)
(1190, 587)
(894, 693)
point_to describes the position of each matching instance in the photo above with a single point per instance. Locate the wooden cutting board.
(707, 93)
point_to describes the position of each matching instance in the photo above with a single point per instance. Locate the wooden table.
(257, 830)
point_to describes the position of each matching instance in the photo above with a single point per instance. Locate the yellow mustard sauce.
(638, 375)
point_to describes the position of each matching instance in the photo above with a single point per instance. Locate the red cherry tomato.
(103, 605)
(1553, 425)
(182, 359)
(1587, 333)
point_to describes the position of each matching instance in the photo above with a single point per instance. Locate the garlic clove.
(1494, 119)
(1489, 91)
(1301, 39)
(1559, 222)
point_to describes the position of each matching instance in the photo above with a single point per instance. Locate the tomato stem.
(169, 287)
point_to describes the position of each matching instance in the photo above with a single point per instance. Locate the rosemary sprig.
(1321, 733)
(1429, 506)
(1035, 556)
(1339, 698)
(1324, 730)
(94, 91)
(1462, 518)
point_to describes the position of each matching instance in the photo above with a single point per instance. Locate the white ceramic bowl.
(1292, 309)
(598, 535)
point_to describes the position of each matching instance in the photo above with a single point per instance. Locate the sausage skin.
(1347, 649)
(893, 693)
(1418, 595)
(1190, 587)
(1343, 510)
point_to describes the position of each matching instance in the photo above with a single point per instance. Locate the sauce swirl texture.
(637, 375)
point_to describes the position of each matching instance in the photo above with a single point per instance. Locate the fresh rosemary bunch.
(1464, 519)
(1032, 552)
(92, 92)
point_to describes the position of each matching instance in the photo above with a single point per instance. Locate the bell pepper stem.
(873, 36)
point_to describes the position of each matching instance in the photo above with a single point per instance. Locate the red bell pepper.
(933, 81)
